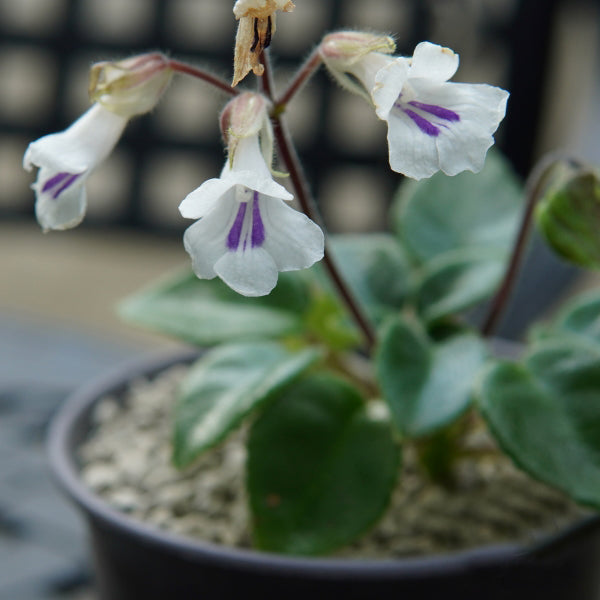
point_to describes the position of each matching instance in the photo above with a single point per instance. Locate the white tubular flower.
(120, 90)
(65, 161)
(246, 233)
(432, 124)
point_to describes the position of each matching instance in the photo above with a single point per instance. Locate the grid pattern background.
(47, 46)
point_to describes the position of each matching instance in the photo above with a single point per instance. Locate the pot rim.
(74, 413)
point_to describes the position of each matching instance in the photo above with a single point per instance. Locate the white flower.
(432, 124)
(246, 232)
(65, 161)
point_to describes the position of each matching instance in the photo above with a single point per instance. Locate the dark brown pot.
(134, 560)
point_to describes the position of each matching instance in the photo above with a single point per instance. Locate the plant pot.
(134, 560)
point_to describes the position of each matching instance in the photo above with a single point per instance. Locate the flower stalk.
(534, 190)
(187, 69)
(290, 158)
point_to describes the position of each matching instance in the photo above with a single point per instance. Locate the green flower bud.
(568, 216)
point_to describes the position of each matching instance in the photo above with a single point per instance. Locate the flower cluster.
(246, 233)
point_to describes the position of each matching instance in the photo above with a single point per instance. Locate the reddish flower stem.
(310, 65)
(187, 69)
(292, 162)
(534, 189)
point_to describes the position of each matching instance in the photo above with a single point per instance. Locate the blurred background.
(57, 291)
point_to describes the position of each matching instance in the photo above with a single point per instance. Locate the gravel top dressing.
(126, 460)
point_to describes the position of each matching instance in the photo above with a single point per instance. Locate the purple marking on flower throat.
(424, 124)
(257, 233)
(258, 227)
(233, 239)
(437, 111)
(58, 183)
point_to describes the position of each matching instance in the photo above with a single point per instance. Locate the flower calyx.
(342, 50)
(247, 115)
(132, 86)
(255, 30)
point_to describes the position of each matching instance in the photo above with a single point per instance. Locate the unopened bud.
(568, 215)
(132, 86)
(342, 49)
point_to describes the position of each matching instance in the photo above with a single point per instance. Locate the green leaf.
(457, 280)
(224, 386)
(546, 416)
(578, 320)
(442, 213)
(321, 467)
(376, 269)
(207, 312)
(569, 218)
(581, 317)
(426, 385)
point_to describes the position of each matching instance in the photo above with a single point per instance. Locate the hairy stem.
(310, 65)
(535, 187)
(187, 69)
(291, 160)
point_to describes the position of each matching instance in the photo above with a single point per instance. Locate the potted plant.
(354, 369)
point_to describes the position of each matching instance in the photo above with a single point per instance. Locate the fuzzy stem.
(292, 162)
(187, 69)
(310, 65)
(535, 187)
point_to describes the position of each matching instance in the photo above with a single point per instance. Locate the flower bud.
(568, 215)
(131, 86)
(244, 116)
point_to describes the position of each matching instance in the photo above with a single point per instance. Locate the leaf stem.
(292, 162)
(534, 189)
(187, 69)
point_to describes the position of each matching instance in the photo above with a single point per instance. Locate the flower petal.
(291, 238)
(81, 147)
(203, 199)
(411, 152)
(433, 62)
(249, 271)
(62, 211)
(463, 144)
(250, 170)
(458, 144)
(389, 82)
(205, 240)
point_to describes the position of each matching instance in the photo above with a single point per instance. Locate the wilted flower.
(246, 233)
(256, 27)
(432, 124)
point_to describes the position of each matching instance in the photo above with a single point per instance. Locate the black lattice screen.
(46, 47)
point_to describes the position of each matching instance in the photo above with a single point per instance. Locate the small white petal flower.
(65, 160)
(246, 233)
(433, 124)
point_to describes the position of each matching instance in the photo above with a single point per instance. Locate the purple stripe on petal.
(54, 181)
(65, 185)
(436, 111)
(422, 123)
(233, 239)
(258, 227)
